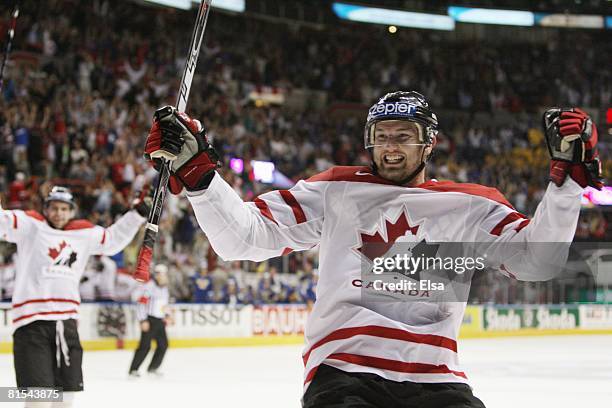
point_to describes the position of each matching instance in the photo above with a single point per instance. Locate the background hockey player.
(152, 300)
(52, 251)
(98, 280)
(361, 354)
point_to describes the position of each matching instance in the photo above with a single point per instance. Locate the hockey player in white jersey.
(152, 312)
(382, 354)
(52, 252)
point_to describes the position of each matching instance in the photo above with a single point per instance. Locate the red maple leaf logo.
(374, 246)
(53, 253)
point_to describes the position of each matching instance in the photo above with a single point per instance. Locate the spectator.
(203, 291)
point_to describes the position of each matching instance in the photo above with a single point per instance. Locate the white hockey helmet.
(63, 194)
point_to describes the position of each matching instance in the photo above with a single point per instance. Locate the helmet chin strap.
(418, 169)
(412, 175)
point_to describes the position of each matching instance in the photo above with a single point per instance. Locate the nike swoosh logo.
(360, 173)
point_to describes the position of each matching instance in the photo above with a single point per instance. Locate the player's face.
(398, 149)
(59, 214)
(161, 278)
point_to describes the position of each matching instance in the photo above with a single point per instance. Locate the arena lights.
(179, 4)
(569, 20)
(393, 17)
(230, 5)
(527, 18)
(491, 16)
(262, 171)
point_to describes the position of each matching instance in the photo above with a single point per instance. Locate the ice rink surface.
(555, 371)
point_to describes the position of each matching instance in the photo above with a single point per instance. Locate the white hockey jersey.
(344, 207)
(151, 300)
(50, 261)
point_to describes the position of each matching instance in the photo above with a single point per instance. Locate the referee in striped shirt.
(152, 299)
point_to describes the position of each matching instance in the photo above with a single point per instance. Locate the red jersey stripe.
(35, 215)
(476, 190)
(43, 313)
(264, 209)
(16, 305)
(384, 332)
(522, 225)
(78, 224)
(14, 221)
(510, 218)
(298, 212)
(365, 174)
(395, 365)
(311, 375)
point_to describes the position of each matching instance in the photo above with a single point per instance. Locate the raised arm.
(16, 225)
(275, 223)
(116, 237)
(533, 249)
(537, 249)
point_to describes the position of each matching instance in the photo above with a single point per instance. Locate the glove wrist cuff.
(584, 174)
(202, 184)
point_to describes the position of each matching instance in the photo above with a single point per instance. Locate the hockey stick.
(9, 44)
(146, 251)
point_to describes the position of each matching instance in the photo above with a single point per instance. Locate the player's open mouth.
(393, 158)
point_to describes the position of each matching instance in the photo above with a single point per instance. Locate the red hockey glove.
(182, 140)
(572, 143)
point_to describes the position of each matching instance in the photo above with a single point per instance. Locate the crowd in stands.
(86, 77)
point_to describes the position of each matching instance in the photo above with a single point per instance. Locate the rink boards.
(108, 326)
